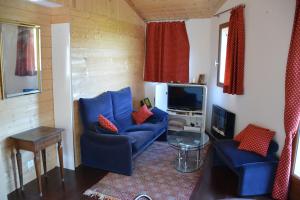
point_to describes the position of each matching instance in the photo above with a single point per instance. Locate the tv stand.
(188, 120)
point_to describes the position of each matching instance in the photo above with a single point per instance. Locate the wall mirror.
(20, 59)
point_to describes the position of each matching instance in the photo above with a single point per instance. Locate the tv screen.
(189, 98)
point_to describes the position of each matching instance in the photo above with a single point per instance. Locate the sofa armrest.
(107, 139)
(158, 116)
(95, 127)
(107, 151)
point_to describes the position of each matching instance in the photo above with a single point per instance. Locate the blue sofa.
(110, 151)
(256, 173)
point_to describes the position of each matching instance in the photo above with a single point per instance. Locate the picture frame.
(146, 102)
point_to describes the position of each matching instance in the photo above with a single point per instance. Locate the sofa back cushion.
(122, 107)
(90, 109)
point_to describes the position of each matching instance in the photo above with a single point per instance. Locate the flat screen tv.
(185, 97)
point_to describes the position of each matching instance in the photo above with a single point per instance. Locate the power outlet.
(30, 164)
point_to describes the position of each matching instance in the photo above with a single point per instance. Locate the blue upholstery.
(141, 138)
(256, 173)
(115, 151)
(239, 157)
(91, 108)
(155, 128)
(122, 107)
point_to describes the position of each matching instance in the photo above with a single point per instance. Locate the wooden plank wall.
(22, 113)
(108, 46)
(107, 49)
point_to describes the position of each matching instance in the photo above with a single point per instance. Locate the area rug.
(154, 174)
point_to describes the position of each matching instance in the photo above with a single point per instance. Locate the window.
(297, 160)
(223, 36)
(294, 192)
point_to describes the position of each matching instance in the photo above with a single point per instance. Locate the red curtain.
(235, 57)
(291, 111)
(25, 64)
(167, 52)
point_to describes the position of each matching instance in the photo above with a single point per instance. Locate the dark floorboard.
(216, 183)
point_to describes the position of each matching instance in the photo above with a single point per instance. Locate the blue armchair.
(116, 151)
(256, 173)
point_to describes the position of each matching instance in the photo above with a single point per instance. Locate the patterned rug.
(154, 175)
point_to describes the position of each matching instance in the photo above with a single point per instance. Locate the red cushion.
(250, 128)
(141, 115)
(257, 140)
(106, 124)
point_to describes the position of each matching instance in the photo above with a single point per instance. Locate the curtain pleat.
(167, 52)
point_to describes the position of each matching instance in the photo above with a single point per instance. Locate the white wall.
(199, 38)
(268, 34)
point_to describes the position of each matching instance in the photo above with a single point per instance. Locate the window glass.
(297, 162)
(223, 37)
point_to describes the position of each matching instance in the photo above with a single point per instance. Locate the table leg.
(44, 161)
(19, 163)
(61, 162)
(37, 163)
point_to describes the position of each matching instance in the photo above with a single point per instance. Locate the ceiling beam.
(129, 2)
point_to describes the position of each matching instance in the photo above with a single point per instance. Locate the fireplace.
(222, 123)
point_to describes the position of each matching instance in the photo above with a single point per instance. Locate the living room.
(167, 99)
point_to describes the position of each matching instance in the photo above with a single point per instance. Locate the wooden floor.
(216, 183)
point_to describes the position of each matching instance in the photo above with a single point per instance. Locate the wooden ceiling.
(175, 9)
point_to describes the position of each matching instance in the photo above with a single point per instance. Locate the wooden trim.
(222, 26)
(131, 4)
(294, 191)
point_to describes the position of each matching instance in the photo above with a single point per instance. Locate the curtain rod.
(225, 11)
(166, 20)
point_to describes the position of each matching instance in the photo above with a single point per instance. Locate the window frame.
(294, 191)
(221, 27)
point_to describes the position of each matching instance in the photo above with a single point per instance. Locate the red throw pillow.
(106, 124)
(141, 115)
(257, 141)
(250, 128)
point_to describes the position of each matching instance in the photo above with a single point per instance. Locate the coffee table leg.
(19, 163)
(198, 158)
(185, 159)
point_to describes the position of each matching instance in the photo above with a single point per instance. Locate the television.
(185, 97)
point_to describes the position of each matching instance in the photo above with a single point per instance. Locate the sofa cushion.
(141, 138)
(236, 157)
(250, 128)
(90, 109)
(142, 114)
(122, 107)
(156, 128)
(106, 124)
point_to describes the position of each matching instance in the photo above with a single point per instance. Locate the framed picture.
(147, 102)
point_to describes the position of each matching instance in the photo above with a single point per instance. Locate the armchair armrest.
(111, 152)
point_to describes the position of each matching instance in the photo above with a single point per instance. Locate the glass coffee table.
(189, 145)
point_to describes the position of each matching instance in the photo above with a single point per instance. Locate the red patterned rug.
(154, 175)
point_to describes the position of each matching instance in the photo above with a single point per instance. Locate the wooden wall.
(108, 46)
(22, 113)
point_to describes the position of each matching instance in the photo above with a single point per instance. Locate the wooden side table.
(36, 140)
